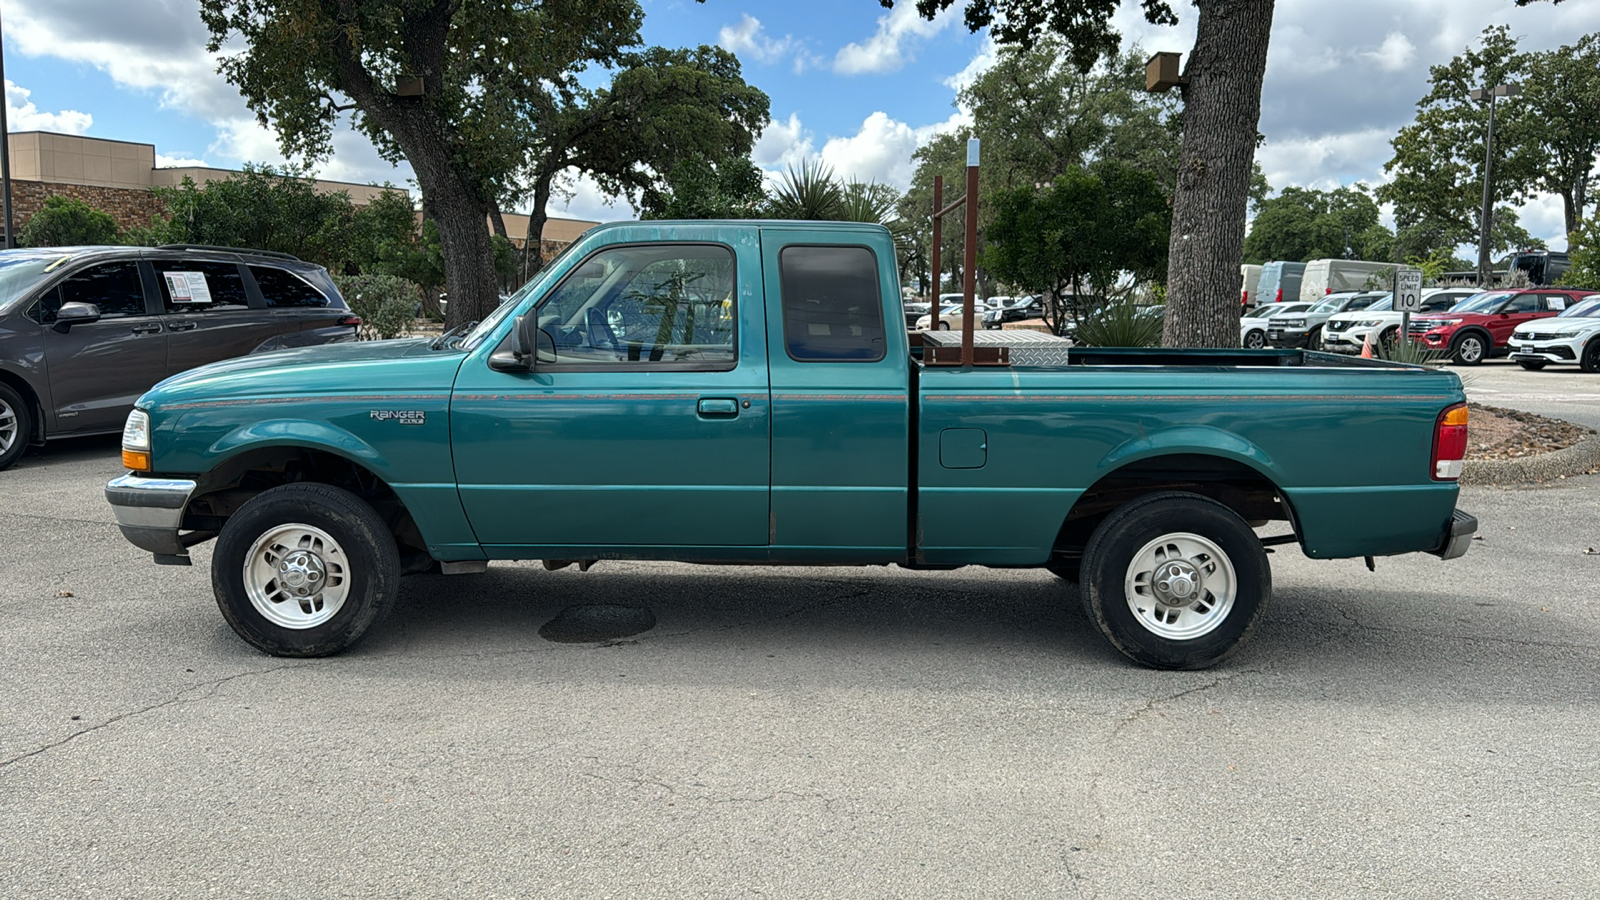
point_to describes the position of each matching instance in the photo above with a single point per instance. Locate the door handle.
(718, 407)
(182, 326)
(152, 328)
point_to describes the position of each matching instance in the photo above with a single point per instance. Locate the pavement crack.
(183, 696)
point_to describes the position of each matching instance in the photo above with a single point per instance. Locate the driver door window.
(668, 306)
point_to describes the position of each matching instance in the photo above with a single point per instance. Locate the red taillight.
(1244, 298)
(1326, 291)
(1449, 443)
(1280, 296)
(353, 321)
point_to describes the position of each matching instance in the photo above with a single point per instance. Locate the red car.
(1479, 326)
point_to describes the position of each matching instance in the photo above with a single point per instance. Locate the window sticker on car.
(1557, 302)
(188, 287)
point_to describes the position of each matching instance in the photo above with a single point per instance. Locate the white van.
(1333, 276)
(1247, 290)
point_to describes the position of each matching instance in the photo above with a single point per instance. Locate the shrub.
(68, 222)
(1120, 323)
(387, 304)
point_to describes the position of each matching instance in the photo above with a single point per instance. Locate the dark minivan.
(85, 330)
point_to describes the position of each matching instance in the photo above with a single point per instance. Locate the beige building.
(117, 176)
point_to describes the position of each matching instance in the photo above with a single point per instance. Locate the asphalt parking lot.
(1427, 730)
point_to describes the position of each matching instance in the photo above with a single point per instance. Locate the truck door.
(649, 429)
(840, 407)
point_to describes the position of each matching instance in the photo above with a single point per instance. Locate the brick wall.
(129, 206)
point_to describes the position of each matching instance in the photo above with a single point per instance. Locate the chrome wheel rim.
(1181, 586)
(1255, 340)
(8, 427)
(1471, 349)
(297, 576)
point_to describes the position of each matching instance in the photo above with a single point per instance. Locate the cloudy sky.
(853, 84)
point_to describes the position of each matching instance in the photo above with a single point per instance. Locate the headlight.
(1369, 323)
(1292, 323)
(136, 441)
(1443, 323)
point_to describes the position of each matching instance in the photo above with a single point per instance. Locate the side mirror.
(71, 314)
(528, 340)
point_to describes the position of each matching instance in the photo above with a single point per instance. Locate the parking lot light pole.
(1485, 221)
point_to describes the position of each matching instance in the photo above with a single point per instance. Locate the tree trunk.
(469, 275)
(533, 238)
(498, 221)
(1222, 108)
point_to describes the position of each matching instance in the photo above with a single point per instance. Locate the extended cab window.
(669, 305)
(194, 286)
(831, 305)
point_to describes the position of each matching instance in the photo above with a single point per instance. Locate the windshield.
(1589, 308)
(20, 269)
(1333, 304)
(1382, 304)
(1480, 302)
(510, 304)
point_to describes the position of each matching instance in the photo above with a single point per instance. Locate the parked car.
(85, 330)
(1253, 324)
(1280, 282)
(1480, 326)
(1337, 276)
(950, 316)
(1305, 329)
(1012, 309)
(1347, 332)
(1573, 336)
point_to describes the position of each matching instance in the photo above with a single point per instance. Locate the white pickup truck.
(1304, 330)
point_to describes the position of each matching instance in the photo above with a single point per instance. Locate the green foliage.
(1302, 224)
(868, 201)
(68, 222)
(698, 188)
(1120, 323)
(1084, 25)
(1561, 97)
(1435, 265)
(1583, 248)
(1437, 168)
(809, 192)
(267, 209)
(1085, 230)
(386, 304)
(1414, 353)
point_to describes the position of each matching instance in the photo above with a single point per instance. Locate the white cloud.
(1325, 161)
(1394, 54)
(23, 115)
(782, 144)
(980, 63)
(164, 161)
(1543, 218)
(585, 200)
(748, 38)
(880, 151)
(888, 50)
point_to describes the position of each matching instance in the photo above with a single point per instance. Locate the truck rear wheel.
(304, 570)
(1175, 580)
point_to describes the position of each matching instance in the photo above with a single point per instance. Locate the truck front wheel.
(1175, 580)
(304, 570)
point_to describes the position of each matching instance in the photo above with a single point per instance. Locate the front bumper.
(1549, 351)
(1463, 525)
(150, 510)
(1289, 339)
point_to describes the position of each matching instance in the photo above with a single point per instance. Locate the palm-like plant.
(809, 192)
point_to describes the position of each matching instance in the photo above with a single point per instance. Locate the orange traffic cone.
(1366, 347)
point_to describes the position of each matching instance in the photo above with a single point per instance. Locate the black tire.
(1387, 340)
(366, 558)
(16, 426)
(1469, 349)
(1588, 362)
(1128, 533)
(1314, 339)
(1255, 339)
(943, 325)
(1532, 365)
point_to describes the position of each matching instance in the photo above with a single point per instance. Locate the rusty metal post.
(938, 204)
(969, 277)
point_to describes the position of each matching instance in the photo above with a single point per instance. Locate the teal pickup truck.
(745, 392)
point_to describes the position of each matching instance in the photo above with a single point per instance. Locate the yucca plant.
(809, 192)
(1120, 323)
(1413, 353)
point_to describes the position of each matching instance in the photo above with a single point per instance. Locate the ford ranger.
(746, 392)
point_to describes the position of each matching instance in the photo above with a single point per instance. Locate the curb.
(1574, 460)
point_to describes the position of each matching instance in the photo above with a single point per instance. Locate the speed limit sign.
(1408, 290)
